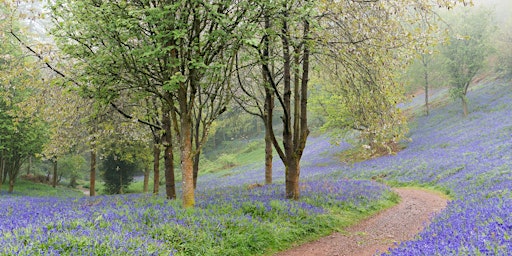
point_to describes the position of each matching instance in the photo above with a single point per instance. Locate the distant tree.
(504, 46)
(254, 94)
(426, 71)
(366, 47)
(117, 174)
(22, 130)
(72, 166)
(467, 50)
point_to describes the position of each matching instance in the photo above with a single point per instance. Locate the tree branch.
(60, 73)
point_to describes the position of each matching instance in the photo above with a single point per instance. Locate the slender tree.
(293, 29)
(467, 50)
(254, 93)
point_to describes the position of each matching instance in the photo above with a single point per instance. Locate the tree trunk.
(268, 158)
(11, 183)
(170, 184)
(72, 182)
(425, 60)
(156, 168)
(13, 172)
(427, 110)
(29, 164)
(121, 182)
(197, 140)
(187, 162)
(196, 167)
(5, 173)
(185, 102)
(465, 106)
(292, 179)
(54, 178)
(2, 169)
(92, 189)
(290, 169)
(146, 179)
(268, 121)
(268, 111)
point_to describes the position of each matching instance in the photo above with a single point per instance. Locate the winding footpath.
(376, 234)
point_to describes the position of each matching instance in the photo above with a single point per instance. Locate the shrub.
(117, 174)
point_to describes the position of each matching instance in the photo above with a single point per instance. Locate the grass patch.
(238, 155)
(430, 187)
(27, 188)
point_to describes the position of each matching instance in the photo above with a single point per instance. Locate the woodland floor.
(380, 232)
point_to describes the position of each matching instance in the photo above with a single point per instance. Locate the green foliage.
(22, 131)
(468, 48)
(227, 160)
(231, 154)
(431, 64)
(73, 166)
(117, 174)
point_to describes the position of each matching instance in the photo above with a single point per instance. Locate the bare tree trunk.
(29, 166)
(92, 189)
(465, 106)
(197, 140)
(2, 169)
(54, 178)
(170, 186)
(268, 117)
(268, 112)
(156, 168)
(5, 173)
(170, 183)
(187, 162)
(268, 157)
(121, 182)
(185, 102)
(292, 179)
(287, 129)
(13, 173)
(11, 183)
(425, 60)
(146, 179)
(197, 157)
(426, 94)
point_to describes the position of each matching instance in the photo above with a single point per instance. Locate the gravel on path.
(380, 232)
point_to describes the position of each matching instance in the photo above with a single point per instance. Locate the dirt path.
(84, 190)
(378, 233)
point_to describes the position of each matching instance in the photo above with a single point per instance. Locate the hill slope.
(470, 158)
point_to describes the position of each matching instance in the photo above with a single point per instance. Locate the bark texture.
(92, 179)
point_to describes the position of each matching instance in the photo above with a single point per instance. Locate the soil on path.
(84, 190)
(380, 232)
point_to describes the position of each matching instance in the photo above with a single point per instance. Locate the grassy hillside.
(26, 188)
(471, 158)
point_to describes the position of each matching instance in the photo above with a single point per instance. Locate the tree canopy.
(22, 130)
(172, 66)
